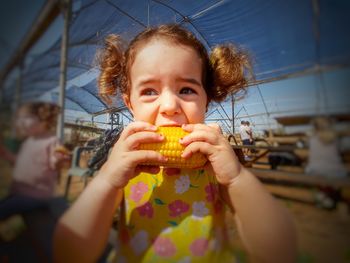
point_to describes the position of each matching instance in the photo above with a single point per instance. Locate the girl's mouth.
(170, 125)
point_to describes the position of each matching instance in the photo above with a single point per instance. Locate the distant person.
(37, 164)
(250, 133)
(245, 137)
(324, 156)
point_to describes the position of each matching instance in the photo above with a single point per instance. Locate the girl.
(36, 165)
(169, 215)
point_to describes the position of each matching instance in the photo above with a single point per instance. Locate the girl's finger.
(135, 127)
(133, 141)
(201, 126)
(200, 135)
(144, 156)
(203, 147)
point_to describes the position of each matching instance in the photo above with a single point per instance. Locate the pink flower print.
(182, 184)
(146, 210)
(199, 246)
(137, 191)
(164, 247)
(177, 208)
(139, 242)
(199, 209)
(211, 191)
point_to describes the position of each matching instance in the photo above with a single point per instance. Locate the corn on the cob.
(172, 149)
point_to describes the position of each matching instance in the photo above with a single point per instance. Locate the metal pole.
(18, 93)
(66, 10)
(148, 14)
(238, 112)
(224, 112)
(316, 27)
(233, 114)
(265, 106)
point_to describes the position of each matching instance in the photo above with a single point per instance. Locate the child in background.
(166, 78)
(38, 161)
(324, 156)
(325, 159)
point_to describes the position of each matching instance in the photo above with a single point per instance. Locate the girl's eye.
(149, 92)
(187, 91)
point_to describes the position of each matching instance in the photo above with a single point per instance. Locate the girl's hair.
(46, 112)
(226, 70)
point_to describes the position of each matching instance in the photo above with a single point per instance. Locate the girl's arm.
(82, 232)
(265, 226)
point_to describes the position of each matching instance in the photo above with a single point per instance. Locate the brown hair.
(227, 69)
(46, 112)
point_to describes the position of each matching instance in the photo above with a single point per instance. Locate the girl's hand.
(209, 140)
(123, 162)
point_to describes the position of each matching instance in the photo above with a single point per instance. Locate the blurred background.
(300, 95)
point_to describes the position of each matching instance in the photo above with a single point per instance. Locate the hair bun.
(111, 60)
(231, 70)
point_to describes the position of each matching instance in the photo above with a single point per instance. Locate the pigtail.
(231, 71)
(111, 60)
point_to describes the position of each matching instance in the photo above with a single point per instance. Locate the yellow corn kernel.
(171, 148)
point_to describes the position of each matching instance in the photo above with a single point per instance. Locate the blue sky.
(295, 96)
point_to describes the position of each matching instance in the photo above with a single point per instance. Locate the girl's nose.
(169, 104)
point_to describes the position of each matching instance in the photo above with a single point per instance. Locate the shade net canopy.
(284, 37)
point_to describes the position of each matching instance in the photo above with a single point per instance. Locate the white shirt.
(34, 172)
(243, 132)
(324, 159)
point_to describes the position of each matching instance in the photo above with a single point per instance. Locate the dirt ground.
(323, 236)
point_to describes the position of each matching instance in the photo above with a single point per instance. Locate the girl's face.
(166, 85)
(27, 124)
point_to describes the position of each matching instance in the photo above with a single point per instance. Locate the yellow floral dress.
(173, 218)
